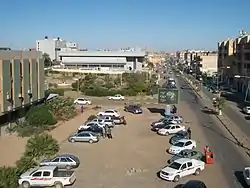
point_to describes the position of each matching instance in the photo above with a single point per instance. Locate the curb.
(238, 142)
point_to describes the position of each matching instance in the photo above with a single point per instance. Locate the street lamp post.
(248, 85)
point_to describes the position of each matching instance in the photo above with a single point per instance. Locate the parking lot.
(135, 154)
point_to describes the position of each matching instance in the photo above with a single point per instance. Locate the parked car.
(103, 121)
(119, 120)
(94, 129)
(178, 136)
(180, 168)
(67, 161)
(135, 109)
(171, 129)
(182, 145)
(48, 176)
(246, 175)
(194, 184)
(109, 112)
(91, 124)
(157, 127)
(116, 97)
(246, 109)
(178, 119)
(163, 121)
(187, 153)
(84, 136)
(82, 101)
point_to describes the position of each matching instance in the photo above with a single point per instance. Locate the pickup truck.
(117, 97)
(46, 176)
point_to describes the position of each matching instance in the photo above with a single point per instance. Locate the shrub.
(62, 108)
(40, 116)
(8, 177)
(24, 164)
(58, 91)
(41, 146)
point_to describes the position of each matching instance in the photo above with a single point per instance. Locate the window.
(173, 127)
(55, 160)
(183, 167)
(188, 143)
(189, 164)
(46, 173)
(69, 160)
(37, 174)
(64, 160)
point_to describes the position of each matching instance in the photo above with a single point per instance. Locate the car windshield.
(175, 165)
(81, 99)
(179, 144)
(180, 134)
(183, 153)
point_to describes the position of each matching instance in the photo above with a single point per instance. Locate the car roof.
(110, 109)
(52, 168)
(183, 160)
(193, 183)
(185, 140)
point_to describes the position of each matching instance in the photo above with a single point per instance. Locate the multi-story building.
(234, 59)
(52, 47)
(208, 63)
(103, 60)
(21, 79)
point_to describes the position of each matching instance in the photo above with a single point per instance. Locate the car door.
(190, 168)
(177, 128)
(36, 178)
(172, 129)
(47, 178)
(86, 137)
(80, 137)
(183, 170)
(55, 162)
(188, 145)
(63, 162)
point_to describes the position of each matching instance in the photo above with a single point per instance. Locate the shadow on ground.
(239, 176)
(157, 111)
(178, 186)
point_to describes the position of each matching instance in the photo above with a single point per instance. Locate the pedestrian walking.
(109, 134)
(105, 131)
(82, 108)
(189, 132)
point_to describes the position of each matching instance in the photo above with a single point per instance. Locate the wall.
(209, 63)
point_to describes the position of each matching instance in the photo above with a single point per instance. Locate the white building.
(103, 60)
(53, 46)
(209, 63)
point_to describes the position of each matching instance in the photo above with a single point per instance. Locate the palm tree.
(41, 146)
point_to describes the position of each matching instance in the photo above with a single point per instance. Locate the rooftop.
(103, 54)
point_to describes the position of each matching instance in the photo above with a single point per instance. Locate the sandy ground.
(131, 159)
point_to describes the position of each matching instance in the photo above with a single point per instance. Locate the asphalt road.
(227, 156)
(236, 118)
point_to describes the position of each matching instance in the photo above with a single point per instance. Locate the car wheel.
(58, 185)
(193, 147)
(176, 178)
(91, 141)
(197, 172)
(26, 184)
(68, 167)
(167, 133)
(72, 140)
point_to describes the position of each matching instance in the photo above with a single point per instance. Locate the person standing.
(189, 132)
(109, 133)
(105, 131)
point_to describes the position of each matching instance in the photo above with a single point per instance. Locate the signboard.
(168, 96)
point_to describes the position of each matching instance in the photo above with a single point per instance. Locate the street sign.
(168, 96)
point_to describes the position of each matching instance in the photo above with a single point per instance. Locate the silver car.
(67, 161)
(84, 136)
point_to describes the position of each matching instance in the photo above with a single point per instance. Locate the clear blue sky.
(152, 24)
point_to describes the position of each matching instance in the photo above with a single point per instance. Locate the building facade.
(21, 79)
(209, 63)
(52, 46)
(103, 60)
(234, 59)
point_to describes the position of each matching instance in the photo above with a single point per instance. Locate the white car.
(246, 109)
(104, 120)
(109, 112)
(182, 144)
(180, 168)
(171, 129)
(82, 101)
(91, 124)
(117, 97)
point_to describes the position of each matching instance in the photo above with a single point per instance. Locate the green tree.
(40, 116)
(41, 146)
(220, 103)
(8, 177)
(47, 60)
(62, 108)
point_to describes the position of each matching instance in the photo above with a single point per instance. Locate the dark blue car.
(135, 109)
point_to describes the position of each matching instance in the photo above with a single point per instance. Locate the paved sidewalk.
(240, 137)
